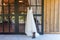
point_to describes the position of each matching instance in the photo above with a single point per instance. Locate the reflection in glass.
(34, 10)
(1, 27)
(38, 19)
(22, 9)
(39, 2)
(39, 11)
(32, 2)
(21, 19)
(39, 26)
(6, 24)
(0, 9)
(21, 23)
(12, 8)
(38, 23)
(0, 19)
(5, 9)
(13, 13)
(12, 25)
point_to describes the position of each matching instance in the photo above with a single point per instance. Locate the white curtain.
(30, 26)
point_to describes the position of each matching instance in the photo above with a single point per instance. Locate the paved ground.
(24, 37)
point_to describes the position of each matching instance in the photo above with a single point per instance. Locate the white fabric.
(30, 26)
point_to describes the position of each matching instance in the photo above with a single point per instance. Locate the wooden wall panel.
(48, 14)
(45, 15)
(52, 16)
(56, 15)
(59, 15)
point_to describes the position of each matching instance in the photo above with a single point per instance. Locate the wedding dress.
(30, 26)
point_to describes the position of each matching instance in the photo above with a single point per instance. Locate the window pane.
(39, 28)
(38, 23)
(6, 24)
(21, 24)
(21, 19)
(12, 24)
(35, 2)
(34, 9)
(0, 10)
(32, 2)
(12, 8)
(39, 11)
(6, 10)
(0, 2)
(1, 24)
(38, 19)
(22, 9)
(39, 2)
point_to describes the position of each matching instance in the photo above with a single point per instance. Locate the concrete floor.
(24, 37)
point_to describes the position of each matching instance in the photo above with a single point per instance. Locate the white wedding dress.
(30, 26)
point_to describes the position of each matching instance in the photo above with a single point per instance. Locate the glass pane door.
(1, 24)
(12, 24)
(6, 24)
(21, 24)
